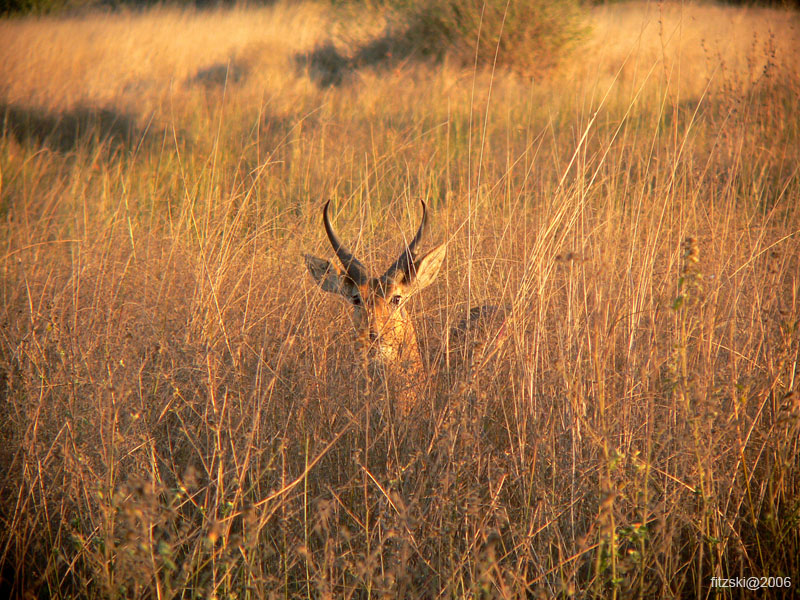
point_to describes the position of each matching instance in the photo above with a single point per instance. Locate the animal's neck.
(399, 347)
(403, 366)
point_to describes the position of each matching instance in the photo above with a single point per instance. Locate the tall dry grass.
(181, 415)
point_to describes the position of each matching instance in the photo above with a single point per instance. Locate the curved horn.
(406, 259)
(352, 266)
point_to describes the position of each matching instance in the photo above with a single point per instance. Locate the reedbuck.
(383, 326)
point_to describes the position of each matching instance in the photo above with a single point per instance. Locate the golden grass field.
(183, 413)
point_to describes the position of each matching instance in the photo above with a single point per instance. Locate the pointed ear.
(328, 277)
(426, 268)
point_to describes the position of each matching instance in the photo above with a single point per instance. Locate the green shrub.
(30, 6)
(529, 36)
(44, 7)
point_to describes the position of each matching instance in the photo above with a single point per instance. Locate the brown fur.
(383, 326)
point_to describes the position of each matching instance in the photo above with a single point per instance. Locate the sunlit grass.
(182, 414)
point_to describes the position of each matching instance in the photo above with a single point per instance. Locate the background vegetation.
(180, 414)
(530, 37)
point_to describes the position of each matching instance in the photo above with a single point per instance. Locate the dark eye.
(356, 300)
(396, 299)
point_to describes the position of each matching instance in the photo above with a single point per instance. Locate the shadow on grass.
(327, 66)
(220, 74)
(67, 131)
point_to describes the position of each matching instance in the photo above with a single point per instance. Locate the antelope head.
(379, 303)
